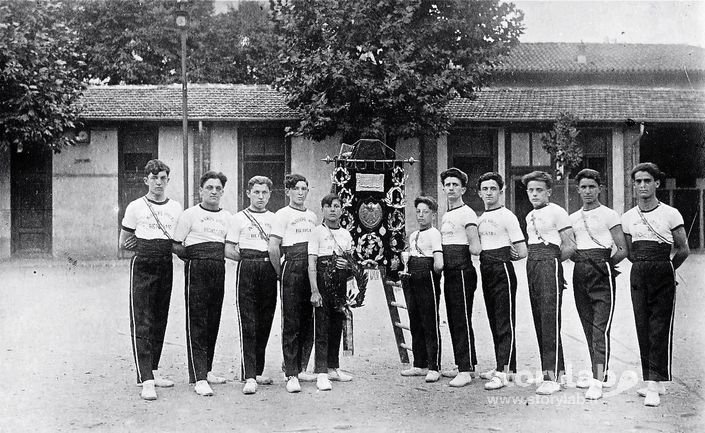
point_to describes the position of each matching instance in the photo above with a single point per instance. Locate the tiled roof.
(589, 103)
(615, 58)
(205, 102)
(242, 102)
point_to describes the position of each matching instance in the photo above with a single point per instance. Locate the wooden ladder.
(394, 305)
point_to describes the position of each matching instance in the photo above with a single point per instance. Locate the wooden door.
(136, 146)
(31, 202)
(264, 152)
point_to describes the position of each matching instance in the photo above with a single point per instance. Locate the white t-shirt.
(246, 234)
(139, 219)
(454, 223)
(324, 241)
(547, 222)
(596, 222)
(423, 243)
(662, 219)
(499, 228)
(293, 226)
(198, 225)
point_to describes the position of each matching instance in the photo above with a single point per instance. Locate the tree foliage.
(137, 42)
(562, 144)
(387, 68)
(42, 76)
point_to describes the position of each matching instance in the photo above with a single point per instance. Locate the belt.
(543, 252)
(496, 255)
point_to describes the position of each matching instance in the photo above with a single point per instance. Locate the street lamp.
(182, 23)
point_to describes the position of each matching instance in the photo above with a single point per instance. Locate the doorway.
(31, 202)
(137, 144)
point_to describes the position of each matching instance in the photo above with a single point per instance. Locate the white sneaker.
(652, 398)
(202, 388)
(595, 390)
(305, 376)
(450, 373)
(336, 375)
(264, 380)
(548, 387)
(161, 382)
(215, 380)
(488, 375)
(432, 376)
(323, 383)
(250, 387)
(292, 385)
(463, 378)
(415, 371)
(499, 380)
(148, 391)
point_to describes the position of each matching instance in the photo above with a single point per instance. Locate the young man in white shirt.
(328, 273)
(147, 229)
(653, 230)
(460, 240)
(423, 291)
(256, 281)
(597, 230)
(199, 238)
(551, 241)
(292, 229)
(502, 241)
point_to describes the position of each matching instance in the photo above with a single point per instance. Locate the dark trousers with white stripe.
(256, 300)
(150, 292)
(422, 293)
(594, 293)
(205, 287)
(459, 292)
(328, 318)
(546, 285)
(499, 287)
(653, 300)
(297, 316)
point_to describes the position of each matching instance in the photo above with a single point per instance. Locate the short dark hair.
(539, 176)
(155, 166)
(329, 199)
(650, 168)
(491, 175)
(259, 180)
(213, 175)
(457, 173)
(588, 173)
(290, 180)
(428, 201)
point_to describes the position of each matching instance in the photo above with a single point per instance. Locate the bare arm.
(628, 245)
(316, 299)
(519, 250)
(275, 255)
(680, 246)
(438, 262)
(620, 243)
(568, 245)
(232, 251)
(128, 241)
(473, 240)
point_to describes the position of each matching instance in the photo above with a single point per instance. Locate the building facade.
(635, 103)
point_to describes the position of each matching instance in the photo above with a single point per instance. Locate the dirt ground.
(66, 365)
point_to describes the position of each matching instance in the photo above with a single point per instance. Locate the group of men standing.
(306, 256)
(203, 236)
(594, 237)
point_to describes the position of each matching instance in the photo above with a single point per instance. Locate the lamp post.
(182, 22)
